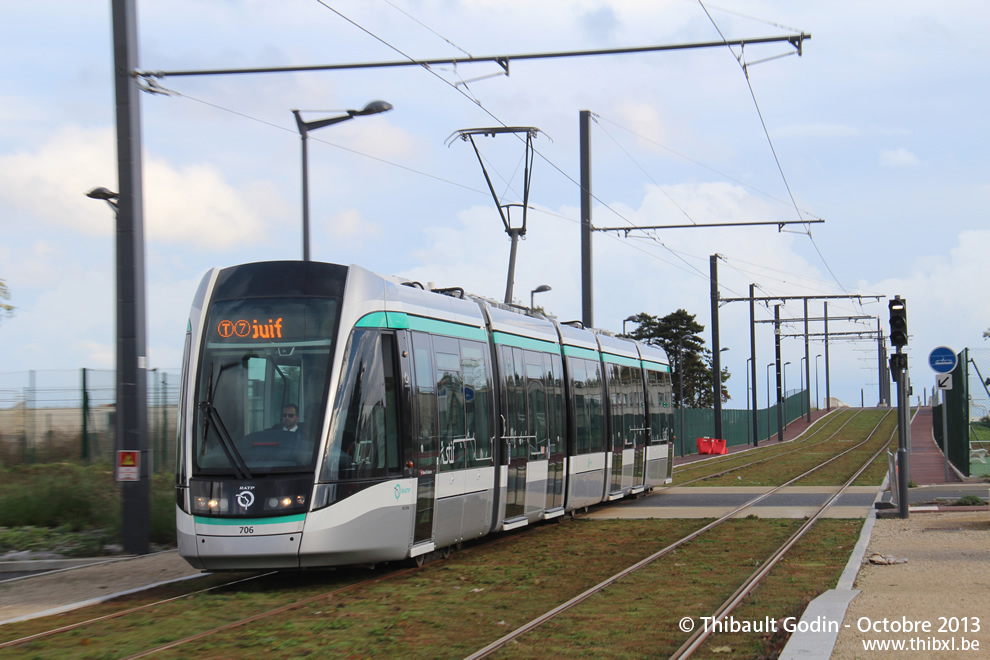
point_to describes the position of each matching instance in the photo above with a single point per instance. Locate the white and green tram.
(427, 418)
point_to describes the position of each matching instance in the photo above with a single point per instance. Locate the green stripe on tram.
(578, 352)
(505, 339)
(620, 360)
(403, 321)
(206, 520)
(656, 366)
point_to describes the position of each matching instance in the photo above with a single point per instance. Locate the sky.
(878, 128)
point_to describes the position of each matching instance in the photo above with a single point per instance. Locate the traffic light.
(898, 322)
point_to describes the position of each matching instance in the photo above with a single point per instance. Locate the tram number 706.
(247, 530)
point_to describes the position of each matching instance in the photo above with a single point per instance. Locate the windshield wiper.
(213, 419)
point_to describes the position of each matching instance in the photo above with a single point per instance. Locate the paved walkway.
(927, 462)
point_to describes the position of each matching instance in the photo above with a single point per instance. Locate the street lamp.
(817, 406)
(539, 289)
(627, 320)
(768, 398)
(131, 416)
(680, 387)
(304, 127)
(749, 430)
(717, 398)
(107, 196)
(783, 370)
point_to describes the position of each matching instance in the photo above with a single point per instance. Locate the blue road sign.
(942, 360)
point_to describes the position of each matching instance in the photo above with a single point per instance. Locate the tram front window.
(261, 391)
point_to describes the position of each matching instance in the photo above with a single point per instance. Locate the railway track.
(699, 636)
(354, 585)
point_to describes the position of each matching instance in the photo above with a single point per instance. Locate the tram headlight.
(209, 505)
(284, 502)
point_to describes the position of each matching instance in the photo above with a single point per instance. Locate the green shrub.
(75, 499)
(969, 500)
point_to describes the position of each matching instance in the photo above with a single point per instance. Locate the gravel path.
(947, 574)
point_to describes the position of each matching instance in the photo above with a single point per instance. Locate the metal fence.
(967, 406)
(737, 425)
(49, 416)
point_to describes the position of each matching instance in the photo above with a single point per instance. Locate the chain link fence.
(967, 410)
(737, 425)
(51, 416)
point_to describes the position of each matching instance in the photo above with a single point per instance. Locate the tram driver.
(290, 420)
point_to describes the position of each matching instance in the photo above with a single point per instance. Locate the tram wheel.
(446, 552)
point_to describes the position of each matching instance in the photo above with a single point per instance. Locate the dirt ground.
(62, 589)
(945, 582)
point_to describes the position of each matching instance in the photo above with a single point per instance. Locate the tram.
(419, 419)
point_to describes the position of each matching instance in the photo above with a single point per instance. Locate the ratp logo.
(245, 498)
(400, 491)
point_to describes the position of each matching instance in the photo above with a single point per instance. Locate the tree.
(696, 369)
(5, 309)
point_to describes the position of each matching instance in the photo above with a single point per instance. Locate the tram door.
(618, 418)
(640, 431)
(517, 437)
(555, 431)
(628, 427)
(424, 434)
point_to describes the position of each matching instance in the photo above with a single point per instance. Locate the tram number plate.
(247, 530)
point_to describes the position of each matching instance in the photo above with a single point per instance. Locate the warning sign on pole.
(128, 465)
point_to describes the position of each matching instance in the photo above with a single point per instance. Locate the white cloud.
(191, 205)
(898, 158)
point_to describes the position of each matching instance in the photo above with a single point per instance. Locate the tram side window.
(450, 403)
(581, 420)
(537, 398)
(359, 434)
(477, 401)
(589, 421)
(425, 402)
(555, 394)
(666, 406)
(617, 400)
(635, 420)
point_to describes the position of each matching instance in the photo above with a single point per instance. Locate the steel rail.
(543, 618)
(105, 617)
(702, 633)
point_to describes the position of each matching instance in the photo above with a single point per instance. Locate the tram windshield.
(261, 389)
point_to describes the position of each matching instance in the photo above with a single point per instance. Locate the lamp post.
(817, 406)
(801, 378)
(783, 401)
(680, 388)
(131, 416)
(768, 398)
(304, 127)
(627, 320)
(717, 399)
(749, 429)
(539, 289)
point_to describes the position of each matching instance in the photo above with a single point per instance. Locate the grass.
(451, 608)
(73, 509)
(811, 452)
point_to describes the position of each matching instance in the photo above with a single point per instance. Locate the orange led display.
(245, 329)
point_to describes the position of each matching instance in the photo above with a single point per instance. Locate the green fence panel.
(737, 425)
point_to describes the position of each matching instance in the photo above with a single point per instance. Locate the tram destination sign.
(942, 360)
